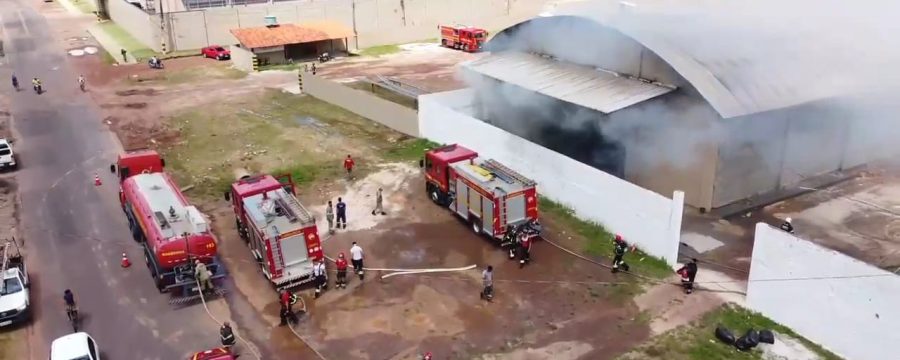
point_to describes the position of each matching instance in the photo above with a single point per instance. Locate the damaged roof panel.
(581, 85)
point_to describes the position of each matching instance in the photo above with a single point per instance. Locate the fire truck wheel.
(435, 196)
(476, 226)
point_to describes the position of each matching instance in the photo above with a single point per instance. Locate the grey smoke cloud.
(829, 59)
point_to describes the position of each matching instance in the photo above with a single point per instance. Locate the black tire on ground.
(476, 226)
(436, 195)
(766, 337)
(724, 335)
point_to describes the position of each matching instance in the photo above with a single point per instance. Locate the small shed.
(283, 43)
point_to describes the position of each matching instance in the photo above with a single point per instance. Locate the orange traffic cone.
(97, 181)
(125, 262)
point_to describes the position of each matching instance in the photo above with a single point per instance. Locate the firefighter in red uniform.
(287, 304)
(348, 165)
(524, 248)
(341, 264)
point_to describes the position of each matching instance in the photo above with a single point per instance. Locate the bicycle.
(72, 315)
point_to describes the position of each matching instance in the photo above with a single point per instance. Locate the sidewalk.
(110, 44)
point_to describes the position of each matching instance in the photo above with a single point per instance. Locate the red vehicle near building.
(216, 52)
(489, 196)
(172, 232)
(465, 38)
(280, 232)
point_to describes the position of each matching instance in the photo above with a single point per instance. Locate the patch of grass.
(107, 58)
(600, 241)
(697, 340)
(276, 133)
(85, 6)
(409, 149)
(132, 45)
(192, 75)
(380, 50)
(305, 174)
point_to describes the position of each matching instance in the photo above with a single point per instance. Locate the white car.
(77, 346)
(7, 158)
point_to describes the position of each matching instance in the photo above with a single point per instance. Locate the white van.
(77, 346)
(7, 158)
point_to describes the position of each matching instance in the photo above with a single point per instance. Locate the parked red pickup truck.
(216, 52)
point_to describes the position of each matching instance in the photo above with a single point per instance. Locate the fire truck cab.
(465, 38)
(280, 232)
(487, 194)
(136, 162)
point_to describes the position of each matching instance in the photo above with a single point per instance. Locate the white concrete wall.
(242, 58)
(856, 318)
(139, 24)
(378, 22)
(645, 218)
(367, 105)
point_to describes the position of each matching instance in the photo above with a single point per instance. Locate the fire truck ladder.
(294, 209)
(276, 248)
(504, 173)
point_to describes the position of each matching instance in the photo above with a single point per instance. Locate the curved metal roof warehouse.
(747, 93)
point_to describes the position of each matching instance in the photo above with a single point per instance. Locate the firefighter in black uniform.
(787, 226)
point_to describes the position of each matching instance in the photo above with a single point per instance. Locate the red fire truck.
(466, 38)
(280, 232)
(173, 233)
(490, 196)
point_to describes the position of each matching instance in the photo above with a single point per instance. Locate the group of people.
(688, 272)
(38, 85)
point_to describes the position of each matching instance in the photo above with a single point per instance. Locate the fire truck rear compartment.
(470, 203)
(283, 219)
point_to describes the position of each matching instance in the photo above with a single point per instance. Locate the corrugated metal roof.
(289, 34)
(581, 85)
(741, 62)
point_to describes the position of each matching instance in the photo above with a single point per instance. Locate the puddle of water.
(309, 121)
(76, 52)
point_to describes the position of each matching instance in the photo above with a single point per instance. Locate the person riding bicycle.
(81, 81)
(70, 302)
(15, 82)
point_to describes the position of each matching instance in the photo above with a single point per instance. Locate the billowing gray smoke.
(807, 55)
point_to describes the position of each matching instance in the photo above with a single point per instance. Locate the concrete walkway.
(110, 43)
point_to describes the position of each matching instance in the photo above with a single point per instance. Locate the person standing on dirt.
(688, 272)
(341, 265)
(487, 279)
(124, 57)
(329, 216)
(287, 307)
(619, 251)
(356, 257)
(348, 165)
(341, 214)
(379, 202)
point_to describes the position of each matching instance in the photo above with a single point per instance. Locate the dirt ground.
(538, 312)
(427, 65)
(859, 217)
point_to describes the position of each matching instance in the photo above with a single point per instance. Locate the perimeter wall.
(849, 307)
(649, 220)
(377, 22)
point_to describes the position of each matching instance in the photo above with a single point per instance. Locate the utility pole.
(355, 34)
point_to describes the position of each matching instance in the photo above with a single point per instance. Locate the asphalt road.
(75, 232)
